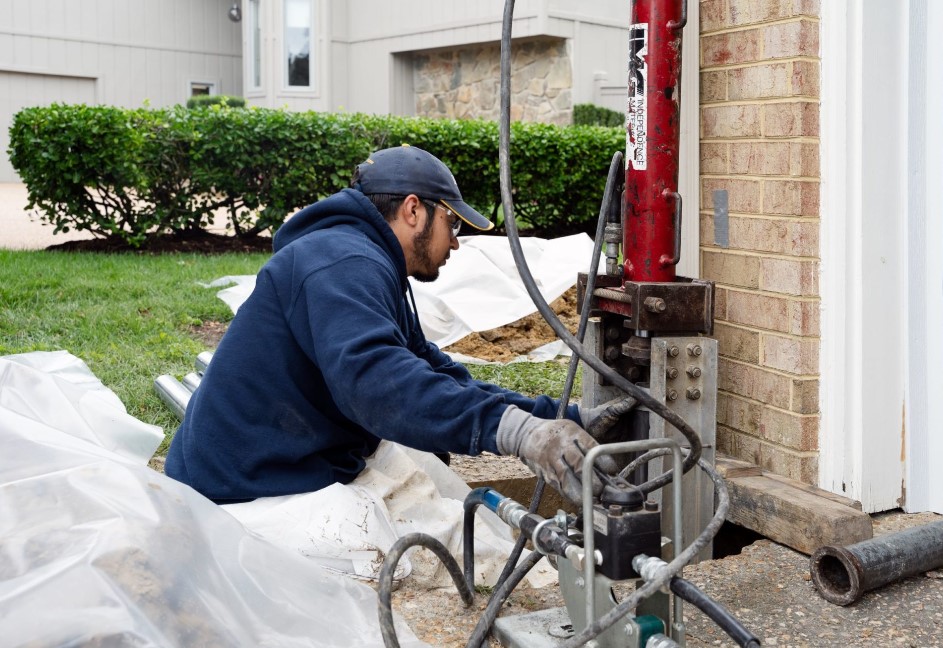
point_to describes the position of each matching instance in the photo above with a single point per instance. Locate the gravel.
(767, 586)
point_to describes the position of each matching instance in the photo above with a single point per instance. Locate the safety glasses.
(455, 223)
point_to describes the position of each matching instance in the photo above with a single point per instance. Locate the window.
(255, 45)
(202, 88)
(298, 33)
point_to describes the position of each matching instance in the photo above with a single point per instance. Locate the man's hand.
(598, 420)
(553, 449)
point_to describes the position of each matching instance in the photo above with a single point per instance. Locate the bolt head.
(694, 349)
(672, 395)
(673, 351)
(694, 393)
(672, 373)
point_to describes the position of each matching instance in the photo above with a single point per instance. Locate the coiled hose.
(385, 594)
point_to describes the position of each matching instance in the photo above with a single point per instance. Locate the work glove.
(553, 449)
(598, 420)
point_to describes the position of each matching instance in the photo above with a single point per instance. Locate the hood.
(347, 208)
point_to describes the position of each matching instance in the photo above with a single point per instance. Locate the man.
(326, 357)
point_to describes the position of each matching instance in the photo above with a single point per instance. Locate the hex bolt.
(694, 349)
(655, 304)
(672, 373)
(694, 393)
(612, 333)
(672, 395)
(673, 351)
(613, 353)
(694, 371)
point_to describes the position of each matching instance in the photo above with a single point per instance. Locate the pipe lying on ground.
(843, 574)
(203, 361)
(173, 393)
(191, 381)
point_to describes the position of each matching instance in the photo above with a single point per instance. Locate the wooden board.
(818, 492)
(794, 515)
(728, 467)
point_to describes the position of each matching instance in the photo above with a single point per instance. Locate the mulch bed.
(197, 242)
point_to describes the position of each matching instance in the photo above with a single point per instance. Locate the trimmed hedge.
(593, 115)
(131, 173)
(197, 101)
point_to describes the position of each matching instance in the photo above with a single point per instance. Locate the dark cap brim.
(468, 214)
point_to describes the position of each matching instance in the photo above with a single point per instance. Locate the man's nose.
(453, 242)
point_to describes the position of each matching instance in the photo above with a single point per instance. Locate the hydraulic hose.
(500, 595)
(716, 612)
(664, 575)
(385, 604)
(600, 367)
(612, 180)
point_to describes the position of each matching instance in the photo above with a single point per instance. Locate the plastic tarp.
(479, 288)
(98, 549)
(349, 528)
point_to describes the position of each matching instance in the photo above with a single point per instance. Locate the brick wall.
(760, 142)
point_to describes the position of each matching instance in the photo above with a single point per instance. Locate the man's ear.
(411, 209)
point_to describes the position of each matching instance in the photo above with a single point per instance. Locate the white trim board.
(879, 421)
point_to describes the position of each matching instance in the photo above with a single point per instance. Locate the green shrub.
(199, 101)
(592, 115)
(134, 173)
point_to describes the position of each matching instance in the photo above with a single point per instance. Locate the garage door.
(17, 91)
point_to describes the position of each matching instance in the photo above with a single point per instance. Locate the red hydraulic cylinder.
(652, 208)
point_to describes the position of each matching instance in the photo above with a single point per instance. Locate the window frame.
(313, 51)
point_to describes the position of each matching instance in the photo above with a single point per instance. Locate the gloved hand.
(553, 449)
(597, 420)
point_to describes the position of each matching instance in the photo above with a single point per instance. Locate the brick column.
(760, 142)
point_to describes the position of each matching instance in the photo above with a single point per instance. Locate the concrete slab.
(21, 230)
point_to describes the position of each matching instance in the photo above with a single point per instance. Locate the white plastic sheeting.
(350, 528)
(479, 288)
(98, 549)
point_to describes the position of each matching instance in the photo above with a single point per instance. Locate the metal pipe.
(653, 132)
(843, 574)
(203, 361)
(173, 393)
(191, 381)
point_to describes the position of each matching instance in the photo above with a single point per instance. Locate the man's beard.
(427, 270)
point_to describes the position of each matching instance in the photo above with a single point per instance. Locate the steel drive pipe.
(652, 206)
(843, 574)
(174, 394)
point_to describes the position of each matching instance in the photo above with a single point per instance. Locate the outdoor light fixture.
(235, 13)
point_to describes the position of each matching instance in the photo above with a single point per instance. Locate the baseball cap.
(406, 170)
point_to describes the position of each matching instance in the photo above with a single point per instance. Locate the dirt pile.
(518, 338)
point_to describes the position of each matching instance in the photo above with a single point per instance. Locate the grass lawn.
(132, 317)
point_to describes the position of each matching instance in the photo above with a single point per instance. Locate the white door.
(20, 90)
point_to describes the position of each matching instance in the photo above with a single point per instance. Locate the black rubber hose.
(385, 603)
(612, 180)
(670, 570)
(500, 595)
(716, 612)
(510, 224)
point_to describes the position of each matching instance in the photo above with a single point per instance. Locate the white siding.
(127, 51)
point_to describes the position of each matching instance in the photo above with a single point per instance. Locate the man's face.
(433, 244)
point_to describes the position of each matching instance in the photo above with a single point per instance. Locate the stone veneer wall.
(760, 141)
(464, 83)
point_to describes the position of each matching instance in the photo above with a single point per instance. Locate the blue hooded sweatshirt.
(323, 360)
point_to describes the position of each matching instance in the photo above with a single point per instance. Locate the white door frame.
(924, 480)
(876, 243)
